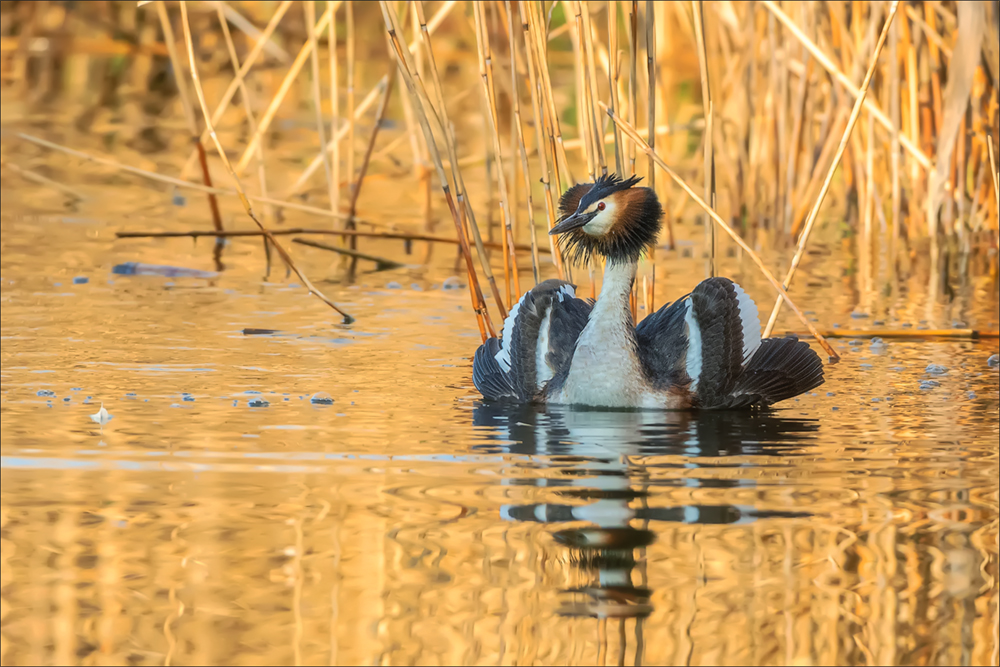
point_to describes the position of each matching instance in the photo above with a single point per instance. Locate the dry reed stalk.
(486, 74)
(349, 85)
(230, 14)
(651, 128)
(310, 12)
(514, 96)
(464, 205)
(285, 231)
(708, 139)
(846, 83)
(279, 96)
(825, 159)
(363, 107)
(352, 209)
(335, 106)
(580, 79)
(237, 81)
(542, 146)
(373, 95)
(613, 80)
(994, 173)
(44, 180)
(658, 161)
(590, 92)
(633, 79)
(239, 187)
(192, 123)
(560, 165)
(794, 144)
(895, 141)
(814, 213)
(277, 203)
(248, 110)
(423, 108)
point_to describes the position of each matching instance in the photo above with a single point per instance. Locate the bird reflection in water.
(597, 458)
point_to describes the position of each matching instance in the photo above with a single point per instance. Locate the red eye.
(600, 206)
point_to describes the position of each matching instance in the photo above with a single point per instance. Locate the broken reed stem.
(236, 180)
(486, 73)
(310, 12)
(44, 180)
(893, 333)
(189, 117)
(542, 145)
(424, 109)
(285, 231)
(846, 83)
(448, 132)
(277, 203)
(707, 140)
(522, 151)
(237, 81)
(279, 96)
(658, 161)
(814, 213)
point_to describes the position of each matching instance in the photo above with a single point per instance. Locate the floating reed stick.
(814, 213)
(630, 131)
(381, 263)
(973, 334)
(236, 180)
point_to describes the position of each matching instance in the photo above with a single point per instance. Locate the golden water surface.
(409, 523)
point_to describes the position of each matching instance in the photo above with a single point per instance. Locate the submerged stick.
(236, 179)
(286, 231)
(381, 263)
(643, 146)
(814, 213)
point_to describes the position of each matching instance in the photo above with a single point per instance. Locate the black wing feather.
(492, 381)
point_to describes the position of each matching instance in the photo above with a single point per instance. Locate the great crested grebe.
(702, 351)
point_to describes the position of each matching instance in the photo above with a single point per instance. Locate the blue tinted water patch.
(45, 392)
(81, 280)
(257, 403)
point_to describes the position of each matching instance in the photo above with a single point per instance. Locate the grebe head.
(610, 218)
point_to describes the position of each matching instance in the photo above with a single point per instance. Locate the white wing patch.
(693, 360)
(750, 321)
(503, 356)
(543, 373)
(566, 292)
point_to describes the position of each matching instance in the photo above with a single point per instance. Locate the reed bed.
(784, 116)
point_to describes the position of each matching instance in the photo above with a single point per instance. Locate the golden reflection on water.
(408, 523)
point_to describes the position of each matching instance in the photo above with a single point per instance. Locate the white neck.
(613, 305)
